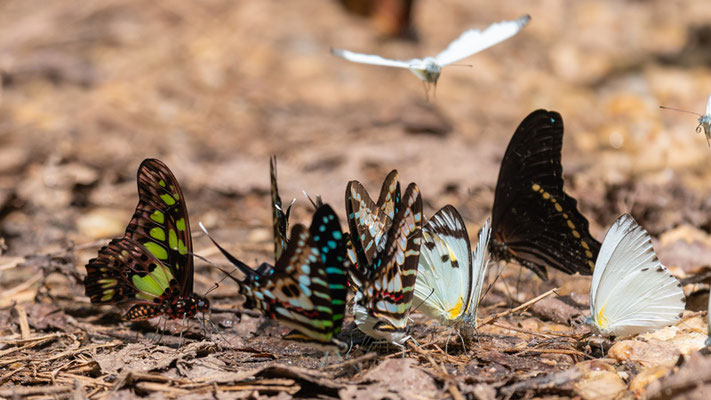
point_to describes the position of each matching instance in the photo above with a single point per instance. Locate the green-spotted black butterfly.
(151, 267)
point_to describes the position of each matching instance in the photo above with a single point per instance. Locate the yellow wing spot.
(585, 245)
(571, 225)
(565, 215)
(535, 187)
(588, 253)
(576, 234)
(553, 200)
(108, 294)
(546, 195)
(558, 207)
(592, 265)
(452, 256)
(456, 311)
(601, 320)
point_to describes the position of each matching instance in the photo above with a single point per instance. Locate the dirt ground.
(213, 88)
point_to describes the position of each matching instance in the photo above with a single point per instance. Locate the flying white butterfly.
(429, 68)
(704, 120)
(631, 291)
(448, 282)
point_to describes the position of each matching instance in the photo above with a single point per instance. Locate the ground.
(216, 87)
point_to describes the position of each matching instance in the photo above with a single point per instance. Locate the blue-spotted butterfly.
(151, 267)
(306, 289)
(534, 222)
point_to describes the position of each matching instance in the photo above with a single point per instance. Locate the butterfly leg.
(464, 345)
(182, 329)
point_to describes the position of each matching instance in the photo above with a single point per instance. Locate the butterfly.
(369, 223)
(306, 288)
(449, 282)
(704, 120)
(151, 267)
(708, 322)
(382, 304)
(631, 291)
(428, 69)
(534, 222)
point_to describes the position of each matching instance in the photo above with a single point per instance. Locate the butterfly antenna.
(217, 284)
(684, 111)
(423, 301)
(243, 268)
(461, 65)
(318, 203)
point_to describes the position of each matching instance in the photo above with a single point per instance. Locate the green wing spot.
(180, 224)
(158, 216)
(144, 296)
(172, 239)
(182, 249)
(108, 295)
(167, 199)
(157, 234)
(161, 183)
(147, 285)
(157, 250)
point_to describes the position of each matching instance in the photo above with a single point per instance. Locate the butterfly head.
(705, 124)
(187, 307)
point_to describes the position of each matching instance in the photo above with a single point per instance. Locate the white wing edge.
(474, 40)
(369, 59)
(480, 263)
(708, 106)
(613, 237)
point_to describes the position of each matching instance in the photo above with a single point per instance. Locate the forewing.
(474, 40)
(389, 293)
(368, 225)
(534, 221)
(444, 279)
(161, 223)
(478, 270)
(370, 59)
(633, 292)
(389, 199)
(708, 107)
(125, 271)
(280, 218)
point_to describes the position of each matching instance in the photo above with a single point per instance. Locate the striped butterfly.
(151, 267)
(306, 288)
(383, 302)
(631, 291)
(369, 223)
(280, 218)
(704, 120)
(449, 281)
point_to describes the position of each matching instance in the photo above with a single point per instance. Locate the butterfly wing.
(160, 222)
(388, 294)
(444, 274)
(533, 220)
(478, 273)
(631, 291)
(368, 225)
(307, 290)
(280, 218)
(474, 40)
(125, 271)
(370, 59)
(389, 198)
(708, 107)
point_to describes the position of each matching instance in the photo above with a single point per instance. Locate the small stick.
(453, 389)
(517, 309)
(348, 363)
(24, 325)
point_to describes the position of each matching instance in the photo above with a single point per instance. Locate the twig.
(32, 390)
(9, 375)
(547, 335)
(547, 351)
(22, 319)
(14, 262)
(523, 306)
(453, 389)
(353, 361)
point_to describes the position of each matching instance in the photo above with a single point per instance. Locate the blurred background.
(213, 88)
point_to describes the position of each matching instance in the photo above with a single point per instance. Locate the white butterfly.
(429, 68)
(448, 282)
(704, 120)
(708, 318)
(631, 291)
